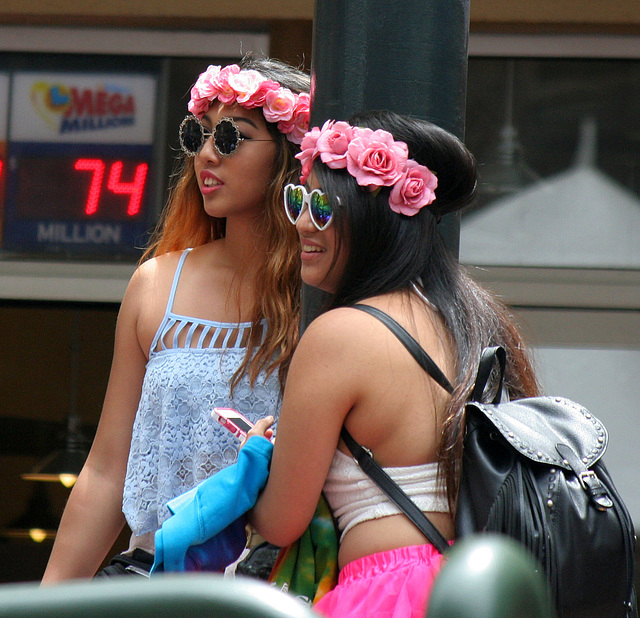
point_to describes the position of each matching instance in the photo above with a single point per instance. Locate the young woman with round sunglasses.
(208, 320)
(367, 221)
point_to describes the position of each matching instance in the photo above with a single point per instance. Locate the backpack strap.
(364, 457)
(488, 359)
(393, 492)
(423, 359)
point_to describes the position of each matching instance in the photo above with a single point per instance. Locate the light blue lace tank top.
(175, 443)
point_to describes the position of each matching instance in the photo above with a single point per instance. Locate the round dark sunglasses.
(226, 136)
(320, 211)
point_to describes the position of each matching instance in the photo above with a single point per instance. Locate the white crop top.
(354, 497)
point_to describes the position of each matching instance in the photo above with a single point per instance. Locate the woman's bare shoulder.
(159, 265)
(147, 294)
(344, 324)
(354, 334)
(344, 337)
(154, 273)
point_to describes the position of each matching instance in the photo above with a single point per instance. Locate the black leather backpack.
(533, 470)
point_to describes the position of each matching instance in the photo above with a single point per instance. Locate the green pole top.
(490, 576)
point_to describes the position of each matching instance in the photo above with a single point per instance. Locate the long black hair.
(388, 252)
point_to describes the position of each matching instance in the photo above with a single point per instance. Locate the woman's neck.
(242, 246)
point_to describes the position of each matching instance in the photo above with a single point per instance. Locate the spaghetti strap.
(181, 332)
(176, 278)
(172, 294)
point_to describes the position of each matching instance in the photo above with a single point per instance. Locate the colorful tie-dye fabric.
(308, 568)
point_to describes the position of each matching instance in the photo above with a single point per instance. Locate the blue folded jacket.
(213, 508)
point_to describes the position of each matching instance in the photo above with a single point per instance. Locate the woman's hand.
(262, 428)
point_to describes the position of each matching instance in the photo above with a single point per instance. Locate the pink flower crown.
(374, 159)
(249, 89)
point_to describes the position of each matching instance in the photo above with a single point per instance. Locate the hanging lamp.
(38, 521)
(64, 465)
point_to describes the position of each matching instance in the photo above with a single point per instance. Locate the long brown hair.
(184, 223)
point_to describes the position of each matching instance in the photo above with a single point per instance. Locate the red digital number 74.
(134, 189)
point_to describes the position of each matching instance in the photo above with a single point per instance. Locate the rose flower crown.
(374, 159)
(249, 89)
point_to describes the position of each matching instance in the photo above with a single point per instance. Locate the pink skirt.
(389, 584)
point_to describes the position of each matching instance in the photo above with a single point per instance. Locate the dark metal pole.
(409, 56)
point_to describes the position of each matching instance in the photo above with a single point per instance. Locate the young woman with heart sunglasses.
(366, 211)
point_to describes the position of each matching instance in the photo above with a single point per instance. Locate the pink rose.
(245, 84)
(334, 143)
(414, 190)
(279, 105)
(226, 93)
(257, 99)
(204, 91)
(198, 107)
(300, 127)
(299, 123)
(375, 159)
(308, 153)
(205, 85)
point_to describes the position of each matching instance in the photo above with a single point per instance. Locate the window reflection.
(558, 146)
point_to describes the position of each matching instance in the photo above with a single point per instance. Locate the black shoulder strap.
(488, 359)
(364, 457)
(423, 359)
(394, 493)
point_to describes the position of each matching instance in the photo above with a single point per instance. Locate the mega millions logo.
(72, 109)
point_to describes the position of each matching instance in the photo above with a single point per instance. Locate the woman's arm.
(93, 517)
(323, 385)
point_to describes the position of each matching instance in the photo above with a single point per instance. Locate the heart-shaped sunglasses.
(320, 211)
